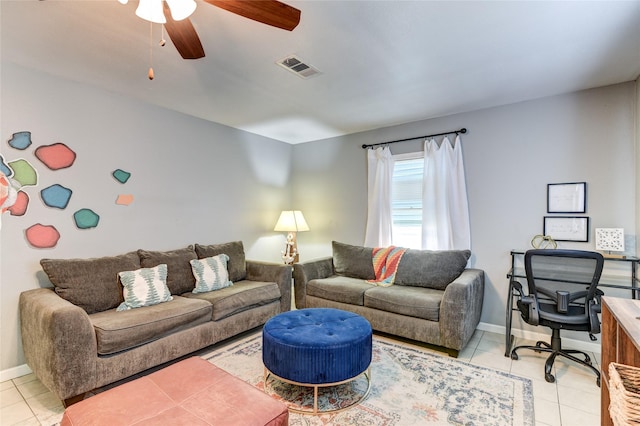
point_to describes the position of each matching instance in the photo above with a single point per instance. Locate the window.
(406, 200)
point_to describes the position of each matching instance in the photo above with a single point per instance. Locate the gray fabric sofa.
(435, 299)
(75, 340)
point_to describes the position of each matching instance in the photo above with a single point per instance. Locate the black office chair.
(562, 294)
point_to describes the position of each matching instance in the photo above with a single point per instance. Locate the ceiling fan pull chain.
(150, 74)
(162, 40)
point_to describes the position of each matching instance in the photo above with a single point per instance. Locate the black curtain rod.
(463, 130)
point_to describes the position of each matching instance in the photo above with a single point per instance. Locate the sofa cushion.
(353, 261)
(432, 269)
(409, 301)
(91, 284)
(339, 289)
(119, 331)
(179, 276)
(237, 265)
(242, 296)
(211, 273)
(144, 287)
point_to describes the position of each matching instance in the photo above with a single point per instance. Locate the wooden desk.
(620, 342)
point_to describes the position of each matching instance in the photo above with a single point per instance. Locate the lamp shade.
(181, 9)
(291, 221)
(151, 10)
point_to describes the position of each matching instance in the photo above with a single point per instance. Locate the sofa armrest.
(461, 308)
(59, 342)
(276, 273)
(307, 271)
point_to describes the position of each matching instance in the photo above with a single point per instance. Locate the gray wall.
(196, 181)
(510, 153)
(192, 181)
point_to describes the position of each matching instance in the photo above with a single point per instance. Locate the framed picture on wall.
(567, 197)
(567, 228)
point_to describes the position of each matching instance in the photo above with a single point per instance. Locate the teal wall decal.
(121, 176)
(86, 218)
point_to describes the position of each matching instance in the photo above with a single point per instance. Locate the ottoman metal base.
(366, 373)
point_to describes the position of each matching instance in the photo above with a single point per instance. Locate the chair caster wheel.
(514, 356)
(549, 378)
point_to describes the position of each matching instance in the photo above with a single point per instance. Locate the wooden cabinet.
(620, 342)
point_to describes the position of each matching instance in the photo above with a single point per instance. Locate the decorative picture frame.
(567, 197)
(567, 228)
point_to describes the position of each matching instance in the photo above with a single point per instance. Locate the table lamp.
(291, 221)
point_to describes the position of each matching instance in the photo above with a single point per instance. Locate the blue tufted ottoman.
(317, 347)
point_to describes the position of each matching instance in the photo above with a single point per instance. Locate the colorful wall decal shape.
(121, 176)
(86, 218)
(20, 140)
(56, 196)
(124, 199)
(42, 236)
(8, 194)
(4, 168)
(23, 172)
(19, 208)
(56, 156)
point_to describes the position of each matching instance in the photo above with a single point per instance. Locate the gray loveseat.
(75, 340)
(435, 299)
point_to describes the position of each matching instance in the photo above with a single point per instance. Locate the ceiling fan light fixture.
(151, 10)
(181, 9)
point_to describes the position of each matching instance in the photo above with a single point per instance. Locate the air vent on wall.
(298, 67)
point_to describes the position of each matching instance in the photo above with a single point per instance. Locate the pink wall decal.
(42, 236)
(19, 208)
(8, 193)
(56, 156)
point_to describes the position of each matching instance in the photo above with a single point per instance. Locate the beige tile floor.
(574, 399)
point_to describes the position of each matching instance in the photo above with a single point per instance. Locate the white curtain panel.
(445, 208)
(380, 176)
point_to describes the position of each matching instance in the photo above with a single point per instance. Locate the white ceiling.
(382, 62)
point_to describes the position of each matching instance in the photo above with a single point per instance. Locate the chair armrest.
(273, 273)
(461, 308)
(307, 271)
(59, 342)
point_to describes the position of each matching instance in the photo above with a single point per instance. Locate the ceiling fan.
(270, 12)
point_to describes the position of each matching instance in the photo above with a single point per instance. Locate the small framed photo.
(567, 228)
(567, 197)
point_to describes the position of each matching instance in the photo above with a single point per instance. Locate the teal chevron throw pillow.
(211, 273)
(144, 287)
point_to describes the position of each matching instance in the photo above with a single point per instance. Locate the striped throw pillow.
(144, 287)
(210, 273)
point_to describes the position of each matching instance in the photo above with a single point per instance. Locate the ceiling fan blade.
(270, 12)
(184, 36)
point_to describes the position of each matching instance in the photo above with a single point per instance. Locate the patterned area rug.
(408, 387)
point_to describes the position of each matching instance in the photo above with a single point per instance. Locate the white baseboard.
(15, 372)
(530, 335)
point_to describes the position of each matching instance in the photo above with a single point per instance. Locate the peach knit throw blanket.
(385, 264)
